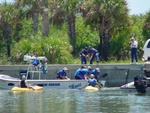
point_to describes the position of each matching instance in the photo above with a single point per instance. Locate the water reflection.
(73, 101)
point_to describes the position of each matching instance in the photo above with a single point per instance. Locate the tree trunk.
(45, 23)
(106, 46)
(72, 31)
(101, 35)
(104, 41)
(7, 35)
(35, 17)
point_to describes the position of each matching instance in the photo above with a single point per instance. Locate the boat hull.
(130, 88)
(91, 89)
(8, 82)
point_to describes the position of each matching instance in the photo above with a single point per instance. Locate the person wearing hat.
(23, 82)
(96, 73)
(93, 53)
(133, 45)
(93, 82)
(84, 55)
(62, 74)
(83, 73)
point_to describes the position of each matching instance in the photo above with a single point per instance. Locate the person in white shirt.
(133, 45)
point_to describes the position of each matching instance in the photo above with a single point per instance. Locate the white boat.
(130, 87)
(8, 82)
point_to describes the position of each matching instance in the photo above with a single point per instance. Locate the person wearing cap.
(23, 82)
(93, 53)
(84, 55)
(96, 73)
(82, 73)
(133, 45)
(93, 82)
(62, 74)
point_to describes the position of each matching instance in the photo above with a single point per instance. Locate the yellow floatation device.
(32, 88)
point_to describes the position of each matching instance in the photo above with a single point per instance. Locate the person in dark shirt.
(23, 83)
(84, 55)
(93, 54)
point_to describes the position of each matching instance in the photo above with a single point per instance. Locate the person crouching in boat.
(96, 73)
(93, 82)
(82, 73)
(62, 74)
(23, 82)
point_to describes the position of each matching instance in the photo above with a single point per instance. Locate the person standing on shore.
(84, 55)
(133, 45)
(93, 54)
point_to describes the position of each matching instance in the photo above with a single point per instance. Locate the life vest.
(23, 84)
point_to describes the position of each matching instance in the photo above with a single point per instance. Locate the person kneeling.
(93, 82)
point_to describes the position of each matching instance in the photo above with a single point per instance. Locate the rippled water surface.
(108, 100)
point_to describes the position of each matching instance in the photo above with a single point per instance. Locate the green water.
(108, 100)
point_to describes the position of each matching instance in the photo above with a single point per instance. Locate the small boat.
(33, 88)
(139, 86)
(91, 89)
(33, 75)
(8, 82)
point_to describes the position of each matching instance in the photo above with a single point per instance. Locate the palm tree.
(146, 26)
(104, 16)
(9, 17)
(33, 9)
(45, 23)
(66, 12)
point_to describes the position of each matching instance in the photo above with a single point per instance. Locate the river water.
(108, 100)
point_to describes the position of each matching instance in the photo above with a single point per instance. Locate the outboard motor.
(140, 83)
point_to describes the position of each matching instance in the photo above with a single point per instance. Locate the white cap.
(65, 69)
(23, 77)
(89, 67)
(92, 76)
(97, 69)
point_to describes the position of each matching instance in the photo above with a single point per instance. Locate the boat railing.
(37, 68)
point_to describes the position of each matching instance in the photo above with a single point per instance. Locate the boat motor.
(140, 83)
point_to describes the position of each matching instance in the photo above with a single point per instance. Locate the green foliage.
(146, 26)
(55, 47)
(85, 37)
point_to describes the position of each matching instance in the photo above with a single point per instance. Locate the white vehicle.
(146, 51)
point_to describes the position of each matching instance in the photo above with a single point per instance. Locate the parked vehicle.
(146, 51)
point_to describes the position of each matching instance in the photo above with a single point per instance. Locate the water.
(108, 100)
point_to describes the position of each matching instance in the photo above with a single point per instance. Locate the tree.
(66, 12)
(104, 16)
(146, 26)
(33, 9)
(9, 18)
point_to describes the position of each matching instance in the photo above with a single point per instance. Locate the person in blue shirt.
(84, 55)
(93, 54)
(62, 74)
(82, 73)
(96, 73)
(93, 82)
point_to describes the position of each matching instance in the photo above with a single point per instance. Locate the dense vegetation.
(60, 29)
